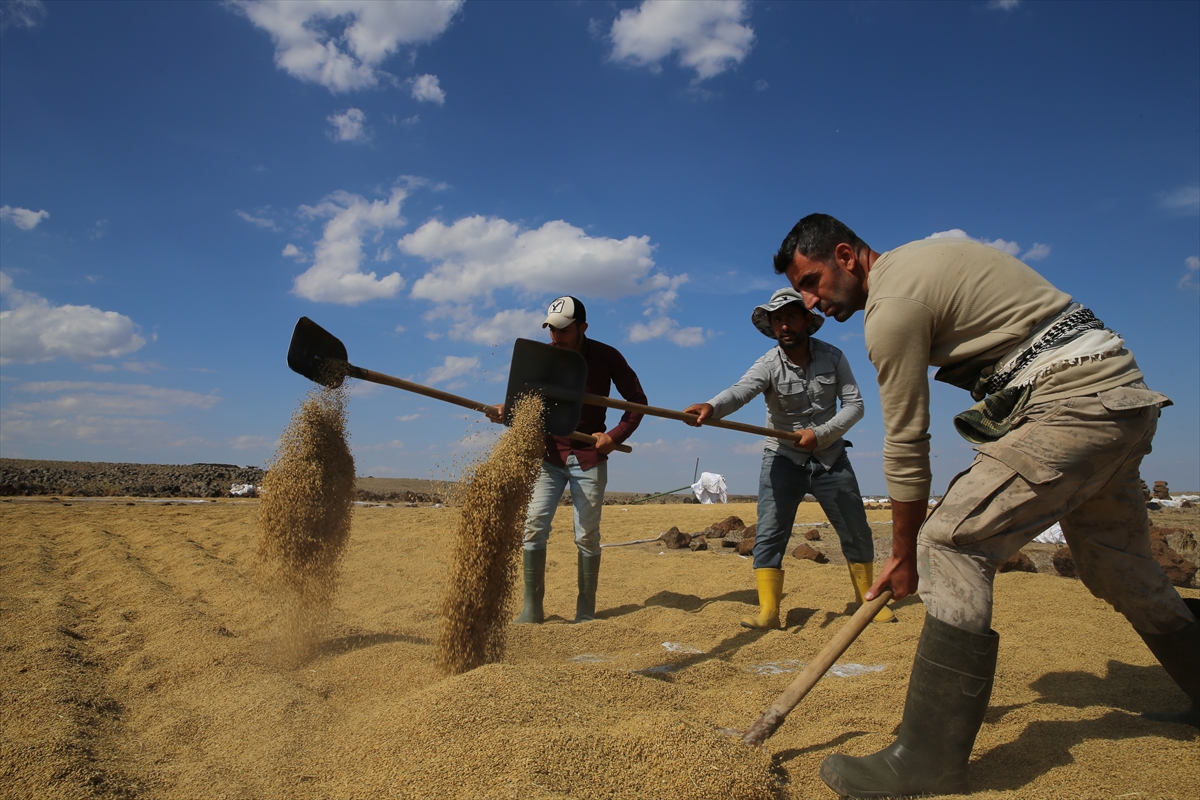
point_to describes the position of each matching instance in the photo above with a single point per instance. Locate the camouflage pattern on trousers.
(1073, 461)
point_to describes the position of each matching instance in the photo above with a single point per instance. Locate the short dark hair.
(815, 238)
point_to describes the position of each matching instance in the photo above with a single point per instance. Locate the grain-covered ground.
(137, 659)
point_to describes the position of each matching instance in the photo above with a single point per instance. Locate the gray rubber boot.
(589, 576)
(1179, 653)
(534, 562)
(948, 694)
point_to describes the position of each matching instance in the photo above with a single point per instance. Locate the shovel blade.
(317, 354)
(557, 374)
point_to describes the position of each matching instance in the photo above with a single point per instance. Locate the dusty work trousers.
(1073, 461)
(782, 484)
(587, 496)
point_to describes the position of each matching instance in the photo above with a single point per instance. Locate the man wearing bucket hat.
(583, 467)
(802, 380)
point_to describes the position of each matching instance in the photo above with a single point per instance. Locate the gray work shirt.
(800, 398)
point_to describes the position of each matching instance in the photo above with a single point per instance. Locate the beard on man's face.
(789, 339)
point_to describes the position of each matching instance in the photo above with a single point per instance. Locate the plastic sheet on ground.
(1177, 500)
(710, 488)
(243, 490)
(1052, 535)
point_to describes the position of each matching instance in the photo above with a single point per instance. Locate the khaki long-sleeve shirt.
(938, 302)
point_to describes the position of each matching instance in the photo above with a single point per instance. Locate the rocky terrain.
(28, 478)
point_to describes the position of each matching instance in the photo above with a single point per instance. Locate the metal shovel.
(320, 356)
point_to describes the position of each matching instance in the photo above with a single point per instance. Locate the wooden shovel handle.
(774, 716)
(416, 388)
(600, 400)
(587, 438)
(438, 394)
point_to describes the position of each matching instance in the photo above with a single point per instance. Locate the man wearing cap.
(1062, 422)
(802, 380)
(582, 466)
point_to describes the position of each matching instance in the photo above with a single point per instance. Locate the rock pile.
(99, 479)
(1175, 551)
(1160, 491)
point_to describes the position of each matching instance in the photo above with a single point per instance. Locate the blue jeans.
(587, 495)
(782, 484)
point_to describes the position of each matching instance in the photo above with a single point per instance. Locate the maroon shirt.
(606, 368)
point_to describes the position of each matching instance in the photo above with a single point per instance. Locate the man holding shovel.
(1062, 422)
(802, 380)
(584, 467)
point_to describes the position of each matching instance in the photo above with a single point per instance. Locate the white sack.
(710, 488)
(1052, 535)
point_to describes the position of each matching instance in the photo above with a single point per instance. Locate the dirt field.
(138, 660)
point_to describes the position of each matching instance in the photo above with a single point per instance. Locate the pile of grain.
(551, 731)
(494, 496)
(304, 517)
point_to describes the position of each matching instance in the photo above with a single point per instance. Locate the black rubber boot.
(1179, 653)
(535, 585)
(948, 694)
(589, 575)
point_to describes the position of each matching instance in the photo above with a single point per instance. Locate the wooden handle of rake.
(774, 716)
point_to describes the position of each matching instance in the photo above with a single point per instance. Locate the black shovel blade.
(317, 354)
(557, 374)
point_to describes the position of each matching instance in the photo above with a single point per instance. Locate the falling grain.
(304, 517)
(494, 497)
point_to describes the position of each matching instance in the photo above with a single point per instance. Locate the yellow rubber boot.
(862, 576)
(770, 590)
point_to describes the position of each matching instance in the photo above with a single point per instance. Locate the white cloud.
(250, 443)
(753, 447)
(291, 251)
(760, 85)
(394, 444)
(33, 330)
(341, 44)
(426, 89)
(1188, 281)
(1003, 5)
(502, 327)
(23, 218)
(477, 255)
(708, 36)
(99, 229)
(259, 222)
(98, 398)
(348, 126)
(1185, 200)
(1035, 253)
(666, 328)
(661, 326)
(22, 13)
(452, 367)
(119, 416)
(409, 417)
(335, 276)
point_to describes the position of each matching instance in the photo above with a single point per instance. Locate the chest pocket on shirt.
(794, 397)
(823, 390)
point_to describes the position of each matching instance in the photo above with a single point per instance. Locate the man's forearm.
(907, 519)
(900, 570)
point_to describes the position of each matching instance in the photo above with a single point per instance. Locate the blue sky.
(179, 182)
